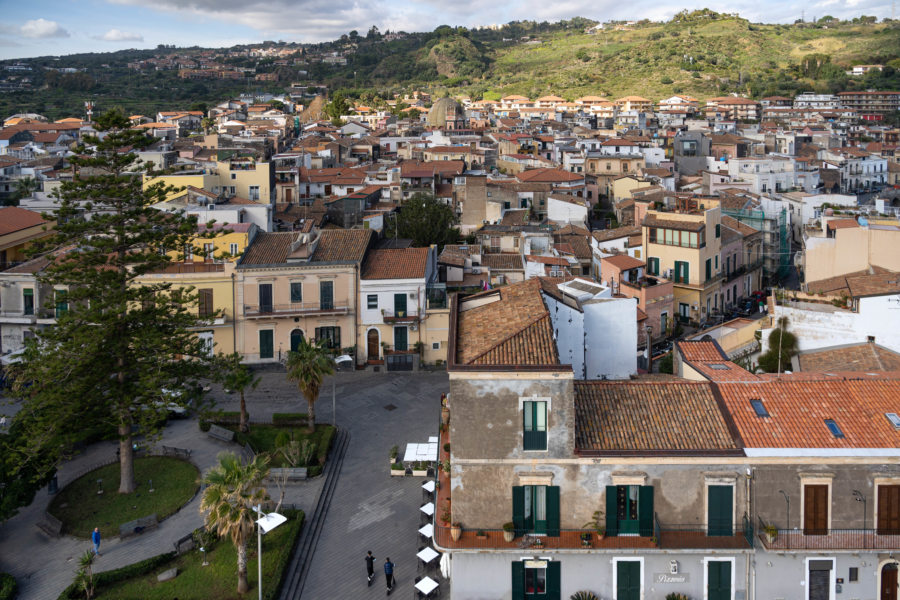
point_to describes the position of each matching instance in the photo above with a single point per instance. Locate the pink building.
(655, 296)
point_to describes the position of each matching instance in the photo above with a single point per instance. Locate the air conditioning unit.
(413, 326)
(210, 207)
(412, 295)
(476, 270)
(695, 306)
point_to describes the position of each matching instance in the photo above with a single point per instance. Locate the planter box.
(422, 473)
(398, 472)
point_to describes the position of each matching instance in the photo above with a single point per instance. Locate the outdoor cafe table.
(421, 452)
(428, 509)
(427, 530)
(428, 554)
(428, 486)
(426, 585)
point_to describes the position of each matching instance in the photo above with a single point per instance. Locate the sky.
(59, 27)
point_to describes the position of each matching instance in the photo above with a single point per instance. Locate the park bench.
(184, 544)
(176, 452)
(293, 474)
(50, 525)
(220, 433)
(138, 526)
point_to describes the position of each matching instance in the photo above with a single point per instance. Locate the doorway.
(296, 338)
(819, 579)
(889, 582)
(372, 344)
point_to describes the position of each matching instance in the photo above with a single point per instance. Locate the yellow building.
(19, 228)
(208, 266)
(240, 177)
(684, 246)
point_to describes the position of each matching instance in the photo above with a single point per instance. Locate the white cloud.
(117, 35)
(42, 28)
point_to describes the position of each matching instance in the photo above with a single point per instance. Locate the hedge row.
(73, 592)
(9, 588)
(290, 419)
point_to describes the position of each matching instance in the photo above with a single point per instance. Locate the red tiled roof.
(623, 261)
(393, 263)
(13, 218)
(548, 175)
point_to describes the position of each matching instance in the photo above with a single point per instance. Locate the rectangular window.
(62, 302)
(265, 297)
(400, 305)
(296, 292)
(718, 230)
(536, 509)
(888, 498)
(233, 249)
(536, 580)
(188, 253)
(331, 336)
(326, 295)
(629, 510)
(372, 301)
(401, 339)
(208, 252)
(669, 236)
(652, 234)
(266, 343)
(254, 193)
(653, 263)
(28, 301)
(205, 302)
(535, 425)
(693, 242)
(708, 269)
(435, 345)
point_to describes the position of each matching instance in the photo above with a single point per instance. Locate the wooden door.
(889, 582)
(289, 195)
(628, 580)
(888, 510)
(718, 580)
(372, 345)
(815, 510)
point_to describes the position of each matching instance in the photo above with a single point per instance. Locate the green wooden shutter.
(266, 344)
(708, 269)
(645, 510)
(552, 510)
(612, 523)
(718, 580)
(719, 507)
(554, 580)
(518, 509)
(685, 272)
(718, 230)
(518, 580)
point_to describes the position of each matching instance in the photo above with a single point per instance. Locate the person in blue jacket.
(389, 574)
(95, 537)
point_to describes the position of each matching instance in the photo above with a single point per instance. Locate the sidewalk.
(44, 566)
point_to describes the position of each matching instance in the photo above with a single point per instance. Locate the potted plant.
(397, 470)
(445, 414)
(585, 540)
(446, 466)
(447, 447)
(509, 531)
(456, 531)
(445, 515)
(771, 533)
(538, 543)
(420, 469)
(394, 452)
(597, 524)
(480, 534)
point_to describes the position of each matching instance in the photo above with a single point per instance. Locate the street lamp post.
(787, 524)
(861, 498)
(264, 524)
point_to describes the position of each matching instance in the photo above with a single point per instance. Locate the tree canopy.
(425, 220)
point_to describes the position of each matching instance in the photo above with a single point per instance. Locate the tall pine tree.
(117, 341)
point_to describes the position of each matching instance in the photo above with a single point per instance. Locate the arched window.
(296, 338)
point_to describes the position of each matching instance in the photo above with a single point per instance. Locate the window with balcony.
(653, 265)
(536, 509)
(296, 292)
(28, 301)
(330, 336)
(205, 302)
(629, 510)
(326, 295)
(62, 302)
(534, 418)
(682, 271)
(265, 297)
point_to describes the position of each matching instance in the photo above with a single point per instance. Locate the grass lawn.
(218, 579)
(81, 509)
(262, 439)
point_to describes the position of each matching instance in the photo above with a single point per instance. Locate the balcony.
(741, 270)
(293, 309)
(400, 316)
(830, 539)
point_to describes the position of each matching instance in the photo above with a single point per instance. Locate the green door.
(266, 343)
(627, 508)
(536, 508)
(399, 305)
(719, 510)
(401, 342)
(628, 580)
(718, 580)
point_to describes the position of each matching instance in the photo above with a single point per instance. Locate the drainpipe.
(233, 313)
(751, 589)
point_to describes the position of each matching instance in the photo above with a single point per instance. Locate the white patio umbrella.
(445, 565)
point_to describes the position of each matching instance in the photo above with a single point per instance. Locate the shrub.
(8, 586)
(204, 425)
(666, 80)
(107, 577)
(289, 419)
(447, 447)
(665, 364)
(583, 595)
(226, 417)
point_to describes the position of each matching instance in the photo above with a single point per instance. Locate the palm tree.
(306, 367)
(238, 378)
(233, 489)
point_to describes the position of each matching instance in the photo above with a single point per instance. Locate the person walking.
(95, 537)
(370, 566)
(389, 574)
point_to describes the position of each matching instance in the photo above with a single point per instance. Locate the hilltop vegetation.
(701, 53)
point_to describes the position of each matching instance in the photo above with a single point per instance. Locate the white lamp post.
(265, 523)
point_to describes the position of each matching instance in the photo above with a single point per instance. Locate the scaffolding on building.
(776, 239)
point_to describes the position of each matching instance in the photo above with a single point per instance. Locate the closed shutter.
(266, 344)
(888, 510)
(518, 509)
(205, 300)
(815, 510)
(552, 496)
(685, 272)
(719, 508)
(265, 297)
(718, 580)
(628, 580)
(399, 305)
(554, 580)
(645, 510)
(518, 580)
(612, 523)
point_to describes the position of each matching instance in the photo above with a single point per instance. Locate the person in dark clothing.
(389, 574)
(95, 537)
(370, 566)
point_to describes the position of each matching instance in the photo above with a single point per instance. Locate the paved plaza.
(369, 511)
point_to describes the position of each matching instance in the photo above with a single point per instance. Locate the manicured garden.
(275, 440)
(195, 581)
(81, 508)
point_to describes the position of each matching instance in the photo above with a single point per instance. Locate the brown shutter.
(815, 510)
(205, 301)
(888, 510)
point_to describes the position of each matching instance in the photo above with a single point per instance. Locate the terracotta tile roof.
(503, 262)
(857, 357)
(548, 175)
(342, 245)
(570, 229)
(799, 406)
(581, 248)
(873, 285)
(506, 326)
(268, 249)
(842, 223)
(735, 225)
(13, 218)
(671, 416)
(606, 235)
(623, 262)
(707, 358)
(547, 260)
(651, 220)
(515, 217)
(406, 263)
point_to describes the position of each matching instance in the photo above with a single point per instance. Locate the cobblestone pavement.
(370, 511)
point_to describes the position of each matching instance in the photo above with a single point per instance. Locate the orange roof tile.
(395, 263)
(13, 218)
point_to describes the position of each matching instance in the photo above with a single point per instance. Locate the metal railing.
(293, 308)
(829, 539)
